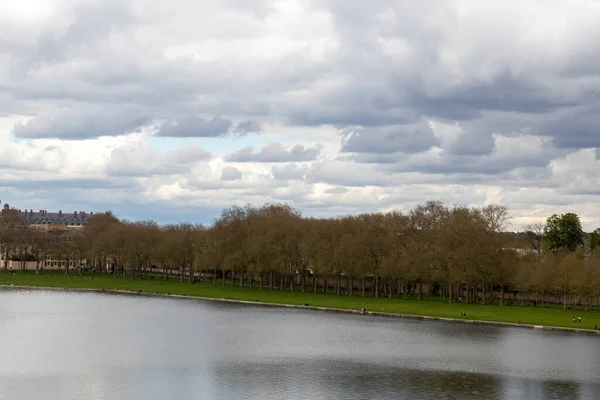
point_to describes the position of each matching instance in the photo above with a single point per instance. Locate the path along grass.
(512, 314)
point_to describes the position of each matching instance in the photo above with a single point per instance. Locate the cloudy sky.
(173, 110)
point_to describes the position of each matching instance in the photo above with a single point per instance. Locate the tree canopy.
(594, 238)
(433, 249)
(563, 231)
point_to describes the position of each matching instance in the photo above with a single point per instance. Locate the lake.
(61, 345)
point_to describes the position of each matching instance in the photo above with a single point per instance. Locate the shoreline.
(314, 308)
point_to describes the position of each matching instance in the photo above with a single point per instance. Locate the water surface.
(60, 345)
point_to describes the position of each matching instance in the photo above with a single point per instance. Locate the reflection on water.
(561, 390)
(342, 379)
(92, 346)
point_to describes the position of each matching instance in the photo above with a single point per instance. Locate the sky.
(175, 110)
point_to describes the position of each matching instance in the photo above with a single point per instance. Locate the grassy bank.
(511, 314)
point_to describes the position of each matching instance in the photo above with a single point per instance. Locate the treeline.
(433, 250)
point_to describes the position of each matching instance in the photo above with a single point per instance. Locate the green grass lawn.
(527, 314)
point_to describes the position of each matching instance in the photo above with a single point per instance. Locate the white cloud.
(138, 158)
(230, 174)
(334, 106)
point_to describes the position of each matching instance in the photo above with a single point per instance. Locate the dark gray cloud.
(575, 128)
(408, 139)
(195, 127)
(246, 127)
(504, 92)
(82, 122)
(476, 164)
(37, 185)
(395, 64)
(230, 174)
(509, 153)
(276, 152)
(472, 143)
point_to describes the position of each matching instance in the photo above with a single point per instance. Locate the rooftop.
(43, 217)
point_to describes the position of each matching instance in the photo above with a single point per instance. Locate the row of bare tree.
(434, 249)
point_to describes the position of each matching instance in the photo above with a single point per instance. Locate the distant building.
(44, 219)
(523, 252)
(48, 222)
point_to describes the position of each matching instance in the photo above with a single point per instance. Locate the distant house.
(45, 219)
(521, 251)
(48, 222)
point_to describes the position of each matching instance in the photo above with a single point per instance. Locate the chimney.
(60, 213)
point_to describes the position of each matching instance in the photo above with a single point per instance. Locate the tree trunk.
(250, 280)
(242, 278)
(450, 293)
(325, 277)
(315, 283)
(303, 282)
(281, 282)
(362, 286)
(483, 295)
(543, 299)
(349, 285)
(337, 285)
(420, 290)
(270, 280)
(292, 283)
(501, 295)
(262, 281)
(467, 297)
